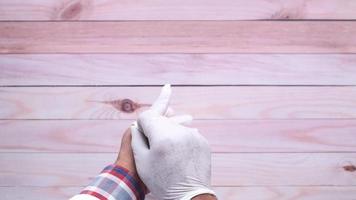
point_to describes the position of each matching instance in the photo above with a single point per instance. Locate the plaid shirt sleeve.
(114, 183)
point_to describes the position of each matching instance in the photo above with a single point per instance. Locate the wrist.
(131, 170)
(199, 192)
(115, 181)
(127, 164)
(205, 197)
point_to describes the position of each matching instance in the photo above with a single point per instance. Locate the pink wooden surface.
(227, 102)
(184, 69)
(228, 169)
(276, 99)
(178, 37)
(223, 135)
(177, 10)
(228, 193)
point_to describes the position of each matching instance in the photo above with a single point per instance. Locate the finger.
(169, 112)
(139, 142)
(161, 104)
(182, 119)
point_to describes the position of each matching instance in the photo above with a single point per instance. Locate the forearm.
(114, 182)
(205, 197)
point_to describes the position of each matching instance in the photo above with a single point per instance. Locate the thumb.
(139, 141)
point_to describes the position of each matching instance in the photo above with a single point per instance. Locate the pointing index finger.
(161, 104)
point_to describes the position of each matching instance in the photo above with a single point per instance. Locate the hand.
(172, 160)
(125, 157)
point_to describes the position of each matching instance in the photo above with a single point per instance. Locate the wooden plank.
(231, 169)
(184, 69)
(226, 193)
(223, 135)
(201, 102)
(35, 193)
(177, 10)
(178, 36)
(286, 193)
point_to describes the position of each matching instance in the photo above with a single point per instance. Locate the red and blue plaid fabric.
(115, 183)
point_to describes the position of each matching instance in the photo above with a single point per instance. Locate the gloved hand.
(172, 160)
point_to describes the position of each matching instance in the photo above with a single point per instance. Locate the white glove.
(171, 159)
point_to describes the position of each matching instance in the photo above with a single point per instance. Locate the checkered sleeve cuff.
(115, 183)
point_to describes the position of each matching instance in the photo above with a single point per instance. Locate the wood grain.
(201, 102)
(223, 135)
(178, 37)
(182, 69)
(177, 10)
(232, 169)
(275, 97)
(226, 193)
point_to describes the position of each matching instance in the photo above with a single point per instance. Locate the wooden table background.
(271, 84)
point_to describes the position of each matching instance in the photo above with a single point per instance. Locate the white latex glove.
(171, 159)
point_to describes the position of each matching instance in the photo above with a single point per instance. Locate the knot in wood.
(73, 11)
(350, 168)
(127, 106)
